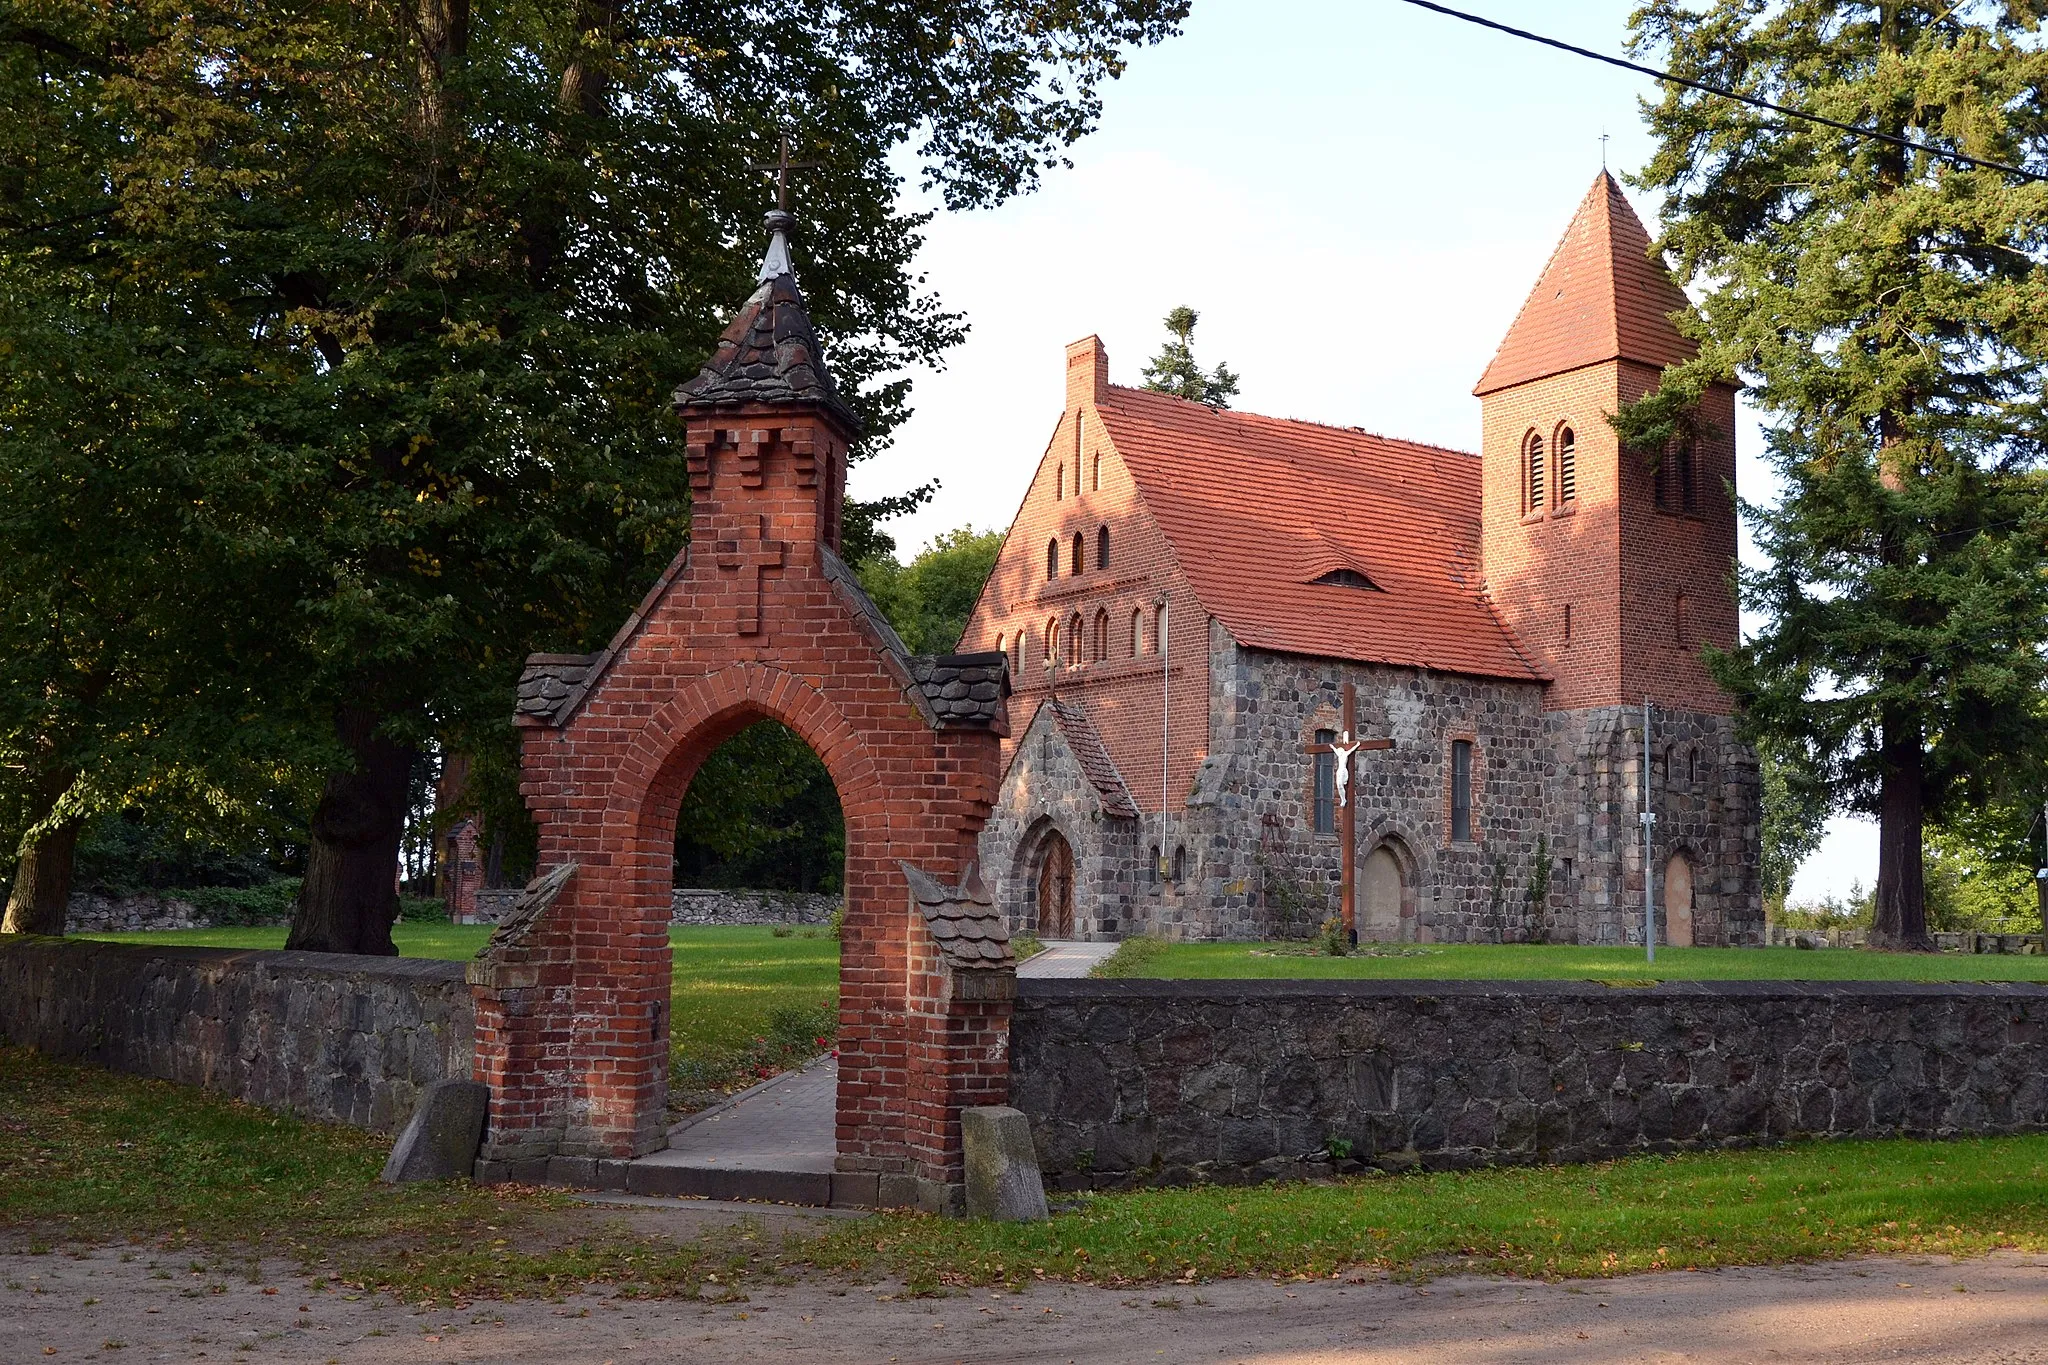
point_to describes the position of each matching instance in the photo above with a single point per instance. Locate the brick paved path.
(1066, 957)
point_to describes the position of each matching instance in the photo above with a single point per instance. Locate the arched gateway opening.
(758, 619)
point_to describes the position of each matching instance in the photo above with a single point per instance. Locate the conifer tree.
(1174, 369)
(1888, 311)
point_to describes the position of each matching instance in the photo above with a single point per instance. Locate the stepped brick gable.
(757, 619)
(1500, 616)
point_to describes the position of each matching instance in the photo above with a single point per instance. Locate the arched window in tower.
(1101, 634)
(1079, 550)
(1137, 631)
(1567, 466)
(1052, 559)
(1095, 474)
(1533, 460)
(1102, 548)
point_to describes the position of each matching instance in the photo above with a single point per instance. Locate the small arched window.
(1059, 482)
(1180, 862)
(1052, 559)
(1101, 635)
(1567, 466)
(1534, 462)
(1095, 474)
(1052, 643)
(1152, 866)
(1158, 627)
(1079, 550)
(1002, 646)
(1137, 631)
(1102, 548)
(1678, 621)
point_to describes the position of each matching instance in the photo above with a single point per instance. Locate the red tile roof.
(1257, 508)
(1602, 297)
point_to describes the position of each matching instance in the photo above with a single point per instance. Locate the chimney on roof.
(1087, 373)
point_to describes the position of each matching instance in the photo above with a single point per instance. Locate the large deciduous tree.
(1888, 310)
(462, 253)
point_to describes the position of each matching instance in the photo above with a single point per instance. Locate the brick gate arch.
(757, 619)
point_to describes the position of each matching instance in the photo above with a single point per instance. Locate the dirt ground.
(124, 1304)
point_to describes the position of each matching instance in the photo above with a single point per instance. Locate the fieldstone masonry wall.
(1162, 1082)
(334, 1037)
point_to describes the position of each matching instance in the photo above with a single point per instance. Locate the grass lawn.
(92, 1157)
(744, 1003)
(1532, 962)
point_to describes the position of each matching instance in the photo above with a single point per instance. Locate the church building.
(1186, 594)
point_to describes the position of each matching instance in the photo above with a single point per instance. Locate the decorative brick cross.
(750, 555)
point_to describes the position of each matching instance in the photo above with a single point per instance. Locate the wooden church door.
(1056, 888)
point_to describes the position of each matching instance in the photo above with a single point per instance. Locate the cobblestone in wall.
(693, 905)
(91, 913)
(334, 1037)
(1162, 1082)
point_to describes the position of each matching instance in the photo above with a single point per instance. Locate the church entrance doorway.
(1678, 901)
(1055, 887)
(1379, 897)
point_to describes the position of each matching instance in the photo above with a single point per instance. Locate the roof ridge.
(1299, 421)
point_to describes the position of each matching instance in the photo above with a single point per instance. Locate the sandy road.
(62, 1307)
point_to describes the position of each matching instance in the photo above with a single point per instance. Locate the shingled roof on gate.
(963, 919)
(770, 353)
(551, 683)
(965, 691)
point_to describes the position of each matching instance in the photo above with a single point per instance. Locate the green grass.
(745, 1002)
(1798, 1203)
(1533, 962)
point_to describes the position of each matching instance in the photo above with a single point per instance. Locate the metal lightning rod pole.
(1165, 730)
(1649, 824)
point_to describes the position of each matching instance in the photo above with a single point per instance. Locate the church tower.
(1613, 568)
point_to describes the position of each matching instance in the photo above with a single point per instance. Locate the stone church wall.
(1166, 1082)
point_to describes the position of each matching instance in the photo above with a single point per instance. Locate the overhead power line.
(1875, 134)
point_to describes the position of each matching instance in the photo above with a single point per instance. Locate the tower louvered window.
(1536, 472)
(1567, 466)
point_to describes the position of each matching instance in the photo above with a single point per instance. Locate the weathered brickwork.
(331, 1036)
(1166, 1082)
(757, 620)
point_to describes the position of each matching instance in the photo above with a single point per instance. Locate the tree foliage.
(1795, 814)
(1174, 369)
(929, 599)
(409, 287)
(1889, 314)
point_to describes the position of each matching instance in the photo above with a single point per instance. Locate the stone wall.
(93, 913)
(334, 1037)
(1160, 1082)
(698, 905)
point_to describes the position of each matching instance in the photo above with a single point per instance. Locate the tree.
(459, 256)
(1795, 814)
(929, 599)
(1889, 313)
(1174, 369)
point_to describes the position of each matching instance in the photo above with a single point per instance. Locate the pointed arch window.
(1567, 466)
(1158, 627)
(1102, 548)
(1077, 641)
(1137, 631)
(1532, 461)
(1052, 559)
(1095, 474)
(1052, 643)
(1059, 482)
(1101, 634)
(1080, 548)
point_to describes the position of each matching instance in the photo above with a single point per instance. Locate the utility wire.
(1894, 139)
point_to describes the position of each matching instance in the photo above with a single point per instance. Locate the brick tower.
(1613, 568)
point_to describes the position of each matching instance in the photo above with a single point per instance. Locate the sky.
(1355, 197)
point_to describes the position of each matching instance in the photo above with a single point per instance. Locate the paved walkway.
(1066, 957)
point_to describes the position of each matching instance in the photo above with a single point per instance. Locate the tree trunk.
(42, 882)
(350, 897)
(1901, 872)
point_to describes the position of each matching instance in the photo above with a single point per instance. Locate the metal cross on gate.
(782, 167)
(751, 556)
(1347, 744)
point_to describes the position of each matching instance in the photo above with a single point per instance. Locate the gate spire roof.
(770, 353)
(1603, 296)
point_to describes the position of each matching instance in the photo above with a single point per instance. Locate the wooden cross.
(750, 557)
(782, 167)
(1347, 744)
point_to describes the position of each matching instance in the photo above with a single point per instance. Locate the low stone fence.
(1969, 941)
(93, 913)
(1130, 1082)
(693, 905)
(334, 1037)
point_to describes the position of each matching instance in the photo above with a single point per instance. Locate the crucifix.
(750, 556)
(782, 167)
(1344, 746)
